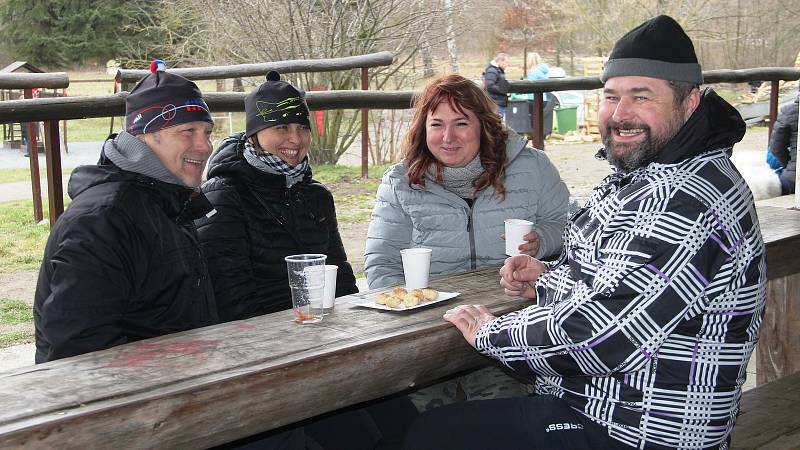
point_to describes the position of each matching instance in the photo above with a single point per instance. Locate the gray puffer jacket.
(463, 238)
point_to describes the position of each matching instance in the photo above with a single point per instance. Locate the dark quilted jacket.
(783, 142)
(121, 264)
(259, 221)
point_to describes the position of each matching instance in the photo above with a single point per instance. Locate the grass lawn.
(17, 175)
(16, 322)
(21, 241)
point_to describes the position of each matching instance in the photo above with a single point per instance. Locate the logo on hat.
(271, 112)
(168, 113)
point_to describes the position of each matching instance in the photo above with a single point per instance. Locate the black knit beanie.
(658, 48)
(275, 102)
(162, 100)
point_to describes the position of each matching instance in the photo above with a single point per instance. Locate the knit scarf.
(269, 163)
(459, 180)
(129, 153)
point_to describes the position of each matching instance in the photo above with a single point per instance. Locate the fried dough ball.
(381, 298)
(399, 292)
(417, 293)
(430, 294)
(410, 300)
(393, 301)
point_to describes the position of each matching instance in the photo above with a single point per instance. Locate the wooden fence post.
(33, 160)
(537, 120)
(364, 127)
(773, 107)
(52, 151)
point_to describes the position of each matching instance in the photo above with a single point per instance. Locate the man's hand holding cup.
(518, 275)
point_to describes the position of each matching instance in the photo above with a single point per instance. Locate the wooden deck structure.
(209, 386)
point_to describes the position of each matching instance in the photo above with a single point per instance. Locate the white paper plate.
(368, 301)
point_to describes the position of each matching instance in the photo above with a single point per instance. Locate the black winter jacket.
(122, 264)
(259, 221)
(494, 80)
(783, 142)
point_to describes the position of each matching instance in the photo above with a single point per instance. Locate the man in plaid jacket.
(643, 328)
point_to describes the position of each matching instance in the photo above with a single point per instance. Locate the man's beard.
(628, 157)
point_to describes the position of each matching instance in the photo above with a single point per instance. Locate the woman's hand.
(468, 319)
(518, 275)
(531, 245)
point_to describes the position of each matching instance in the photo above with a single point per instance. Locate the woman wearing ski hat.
(268, 207)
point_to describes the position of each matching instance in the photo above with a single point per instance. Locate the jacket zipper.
(473, 259)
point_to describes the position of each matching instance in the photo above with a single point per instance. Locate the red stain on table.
(162, 354)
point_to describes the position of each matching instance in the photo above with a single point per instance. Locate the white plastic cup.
(515, 229)
(307, 282)
(416, 267)
(329, 295)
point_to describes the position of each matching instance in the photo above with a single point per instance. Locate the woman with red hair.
(463, 173)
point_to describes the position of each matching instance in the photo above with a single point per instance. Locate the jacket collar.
(181, 203)
(714, 124)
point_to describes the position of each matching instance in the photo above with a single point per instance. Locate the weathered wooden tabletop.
(213, 385)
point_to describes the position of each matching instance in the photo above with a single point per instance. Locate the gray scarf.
(127, 152)
(459, 180)
(267, 163)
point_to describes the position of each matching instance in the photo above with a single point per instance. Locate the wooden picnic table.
(216, 384)
(209, 386)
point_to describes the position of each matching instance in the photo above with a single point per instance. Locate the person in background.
(783, 145)
(268, 207)
(537, 69)
(643, 328)
(462, 174)
(495, 83)
(123, 262)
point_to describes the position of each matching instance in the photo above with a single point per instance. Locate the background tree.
(56, 33)
(242, 31)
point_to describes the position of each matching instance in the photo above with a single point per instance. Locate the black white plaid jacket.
(646, 322)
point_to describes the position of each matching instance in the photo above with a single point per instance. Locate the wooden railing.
(379, 59)
(28, 82)
(55, 109)
(771, 74)
(50, 111)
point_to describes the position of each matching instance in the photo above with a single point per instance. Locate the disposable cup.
(515, 229)
(307, 282)
(416, 267)
(329, 295)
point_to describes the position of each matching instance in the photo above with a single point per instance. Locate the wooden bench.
(770, 416)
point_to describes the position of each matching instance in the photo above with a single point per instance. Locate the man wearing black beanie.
(123, 263)
(643, 328)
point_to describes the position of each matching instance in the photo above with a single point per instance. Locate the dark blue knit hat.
(162, 100)
(658, 48)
